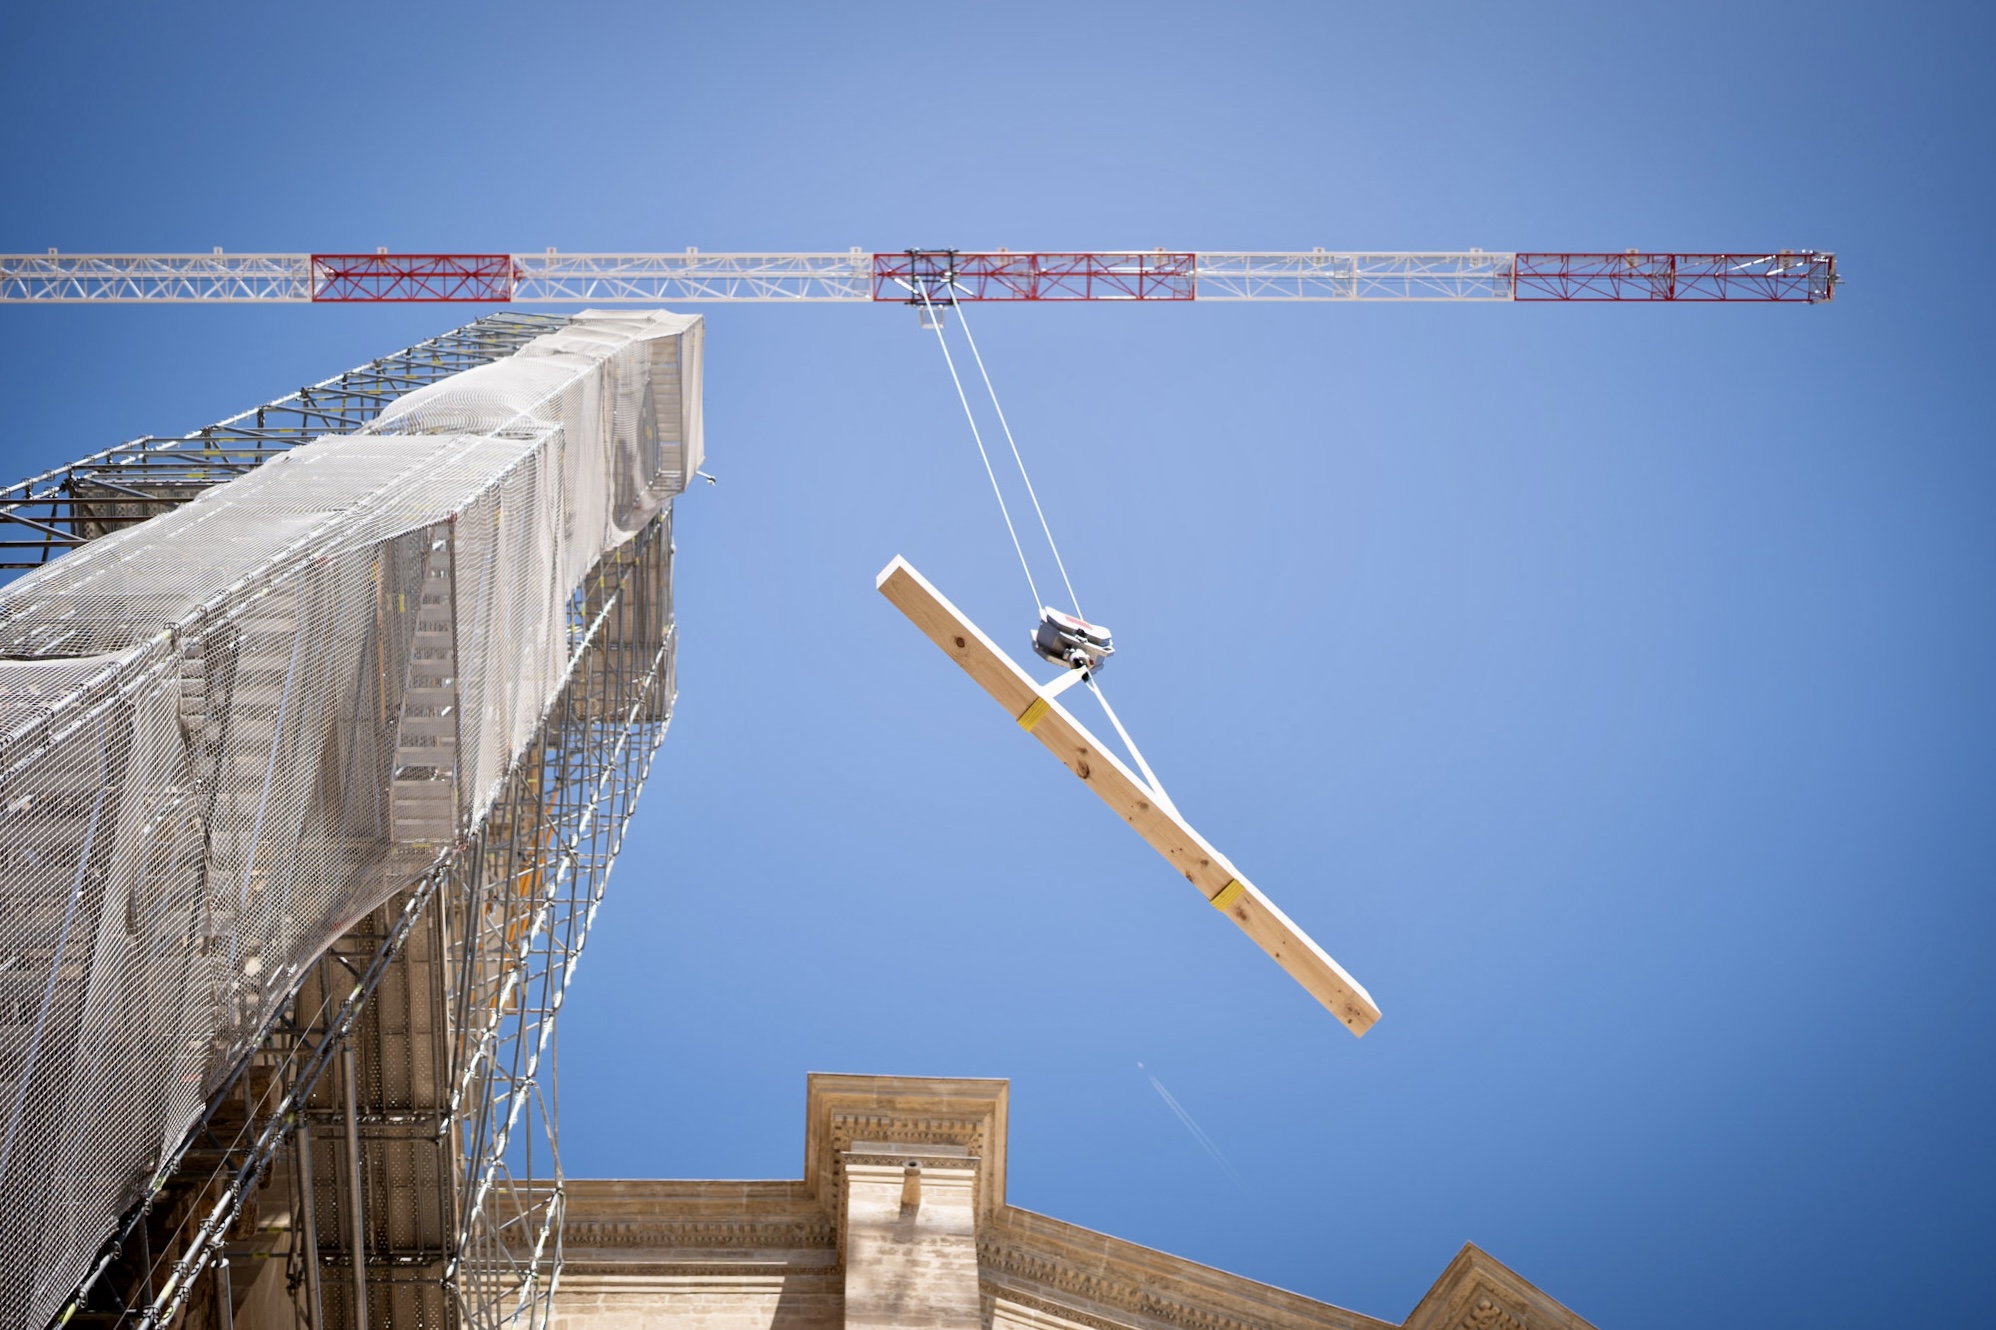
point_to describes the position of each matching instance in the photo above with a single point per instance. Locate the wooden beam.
(1203, 866)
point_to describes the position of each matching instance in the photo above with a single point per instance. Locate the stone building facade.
(900, 1223)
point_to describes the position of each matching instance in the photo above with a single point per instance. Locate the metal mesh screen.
(230, 732)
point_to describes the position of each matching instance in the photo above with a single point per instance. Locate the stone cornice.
(625, 1222)
(996, 1295)
(1081, 1275)
(585, 1273)
(667, 1233)
(643, 1197)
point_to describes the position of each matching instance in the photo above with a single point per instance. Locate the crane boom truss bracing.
(858, 276)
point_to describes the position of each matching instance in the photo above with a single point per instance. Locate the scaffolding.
(313, 776)
(65, 508)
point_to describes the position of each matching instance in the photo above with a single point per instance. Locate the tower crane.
(505, 902)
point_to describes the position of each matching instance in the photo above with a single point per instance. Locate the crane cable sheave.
(1070, 642)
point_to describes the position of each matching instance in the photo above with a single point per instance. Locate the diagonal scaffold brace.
(1039, 714)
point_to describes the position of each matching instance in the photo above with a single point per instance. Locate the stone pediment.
(1479, 1292)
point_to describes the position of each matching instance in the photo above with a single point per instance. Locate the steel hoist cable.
(949, 360)
(1088, 673)
(1031, 493)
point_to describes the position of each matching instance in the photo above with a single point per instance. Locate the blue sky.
(1606, 687)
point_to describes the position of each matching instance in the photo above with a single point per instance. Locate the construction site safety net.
(230, 731)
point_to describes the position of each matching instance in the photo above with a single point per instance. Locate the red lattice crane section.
(404, 278)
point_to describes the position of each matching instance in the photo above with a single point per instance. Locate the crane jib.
(859, 276)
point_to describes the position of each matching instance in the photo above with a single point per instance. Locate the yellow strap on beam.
(1033, 714)
(1228, 894)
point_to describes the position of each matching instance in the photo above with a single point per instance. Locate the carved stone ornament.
(1487, 1315)
(700, 1234)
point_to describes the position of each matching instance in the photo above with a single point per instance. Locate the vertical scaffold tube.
(359, 1321)
(315, 1306)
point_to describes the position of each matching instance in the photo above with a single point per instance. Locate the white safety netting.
(227, 733)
